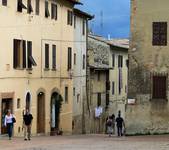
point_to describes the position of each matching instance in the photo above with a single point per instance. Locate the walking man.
(120, 124)
(27, 119)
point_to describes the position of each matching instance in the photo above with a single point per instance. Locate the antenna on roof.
(101, 21)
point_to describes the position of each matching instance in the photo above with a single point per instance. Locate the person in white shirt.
(9, 123)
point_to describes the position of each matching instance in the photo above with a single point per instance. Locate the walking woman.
(9, 120)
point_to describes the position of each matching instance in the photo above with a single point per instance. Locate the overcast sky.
(115, 18)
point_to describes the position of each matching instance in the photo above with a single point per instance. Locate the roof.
(120, 43)
(124, 43)
(75, 1)
(82, 13)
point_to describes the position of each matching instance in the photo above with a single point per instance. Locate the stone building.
(148, 68)
(104, 81)
(79, 70)
(118, 75)
(37, 42)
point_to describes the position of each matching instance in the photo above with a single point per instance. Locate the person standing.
(8, 122)
(27, 119)
(120, 124)
(109, 124)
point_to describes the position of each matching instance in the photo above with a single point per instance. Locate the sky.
(112, 17)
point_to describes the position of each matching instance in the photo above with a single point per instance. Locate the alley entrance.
(56, 102)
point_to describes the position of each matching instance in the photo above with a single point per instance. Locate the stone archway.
(56, 102)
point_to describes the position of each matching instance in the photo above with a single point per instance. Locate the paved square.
(87, 142)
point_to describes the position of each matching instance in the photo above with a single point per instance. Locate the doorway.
(56, 102)
(41, 113)
(6, 104)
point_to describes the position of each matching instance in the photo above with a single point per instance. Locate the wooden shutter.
(98, 99)
(24, 53)
(4, 2)
(54, 56)
(46, 55)
(37, 7)
(113, 60)
(84, 61)
(107, 99)
(15, 53)
(159, 87)
(29, 53)
(69, 58)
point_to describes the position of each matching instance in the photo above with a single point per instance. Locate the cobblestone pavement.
(87, 142)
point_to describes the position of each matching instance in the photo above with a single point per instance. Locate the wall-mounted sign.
(131, 101)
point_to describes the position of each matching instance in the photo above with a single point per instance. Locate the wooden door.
(41, 113)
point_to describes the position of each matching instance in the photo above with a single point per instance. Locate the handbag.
(13, 120)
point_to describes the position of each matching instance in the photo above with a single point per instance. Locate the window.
(107, 100)
(37, 7)
(69, 17)
(47, 56)
(113, 60)
(54, 57)
(4, 2)
(127, 63)
(78, 98)
(98, 99)
(113, 87)
(159, 87)
(74, 91)
(74, 58)
(69, 58)
(47, 14)
(74, 21)
(20, 6)
(84, 61)
(120, 61)
(29, 7)
(19, 54)
(83, 27)
(159, 33)
(66, 94)
(98, 76)
(54, 11)
(18, 103)
(30, 58)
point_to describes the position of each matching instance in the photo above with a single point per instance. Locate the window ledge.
(19, 68)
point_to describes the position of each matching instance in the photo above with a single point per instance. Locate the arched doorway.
(28, 101)
(56, 102)
(41, 113)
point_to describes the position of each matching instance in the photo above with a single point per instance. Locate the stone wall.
(146, 115)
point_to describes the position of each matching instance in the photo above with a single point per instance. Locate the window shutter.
(113, 60)
(24, 53)
(37, 7)
(46, 55)
(69, 58)
(29, 53)
(54, 56)
(15, 53)
(68, 17)
(4, 2)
